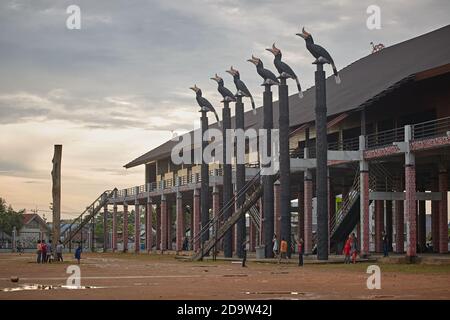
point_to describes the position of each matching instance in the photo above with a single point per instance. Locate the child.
(78, 253)
(300, 252)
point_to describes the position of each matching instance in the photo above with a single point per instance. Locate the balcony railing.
(431, 129)
(423, 130)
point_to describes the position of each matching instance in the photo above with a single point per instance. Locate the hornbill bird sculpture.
(226, 94)
(319, 52)
(268, 76)
(283, 69)
(241, 87)
(204, 104)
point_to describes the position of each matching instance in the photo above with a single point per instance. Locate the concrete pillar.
(399, 226)
(435, 215)
(164, 223)
(443, 211)
(301, 215)
(14, 240)
(137, 228)
(216, 209)
(105, 229)
(364, 199)
(158, 227)
(389, 230)
(169, 225)
(114, 229)
(379, 225)
(197, 220)
(125, 228)
(421, 225)
(261, 215)
(277, 209)
(180, 222)
(364, 213)
(410, 209)
(149, 225)
(252, 236)
(308, 211)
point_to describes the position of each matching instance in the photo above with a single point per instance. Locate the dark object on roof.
(362, 82)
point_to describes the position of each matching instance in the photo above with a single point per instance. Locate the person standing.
(347, 250)
(59, 250)
(300, 252)
(275, 246)
(385, 244)
(39, 251)
(283, 250)
(245, 248)
(354, 247)
(49, 251)
(78, 253)
(44, 252)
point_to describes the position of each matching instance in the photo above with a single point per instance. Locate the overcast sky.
(118, 87)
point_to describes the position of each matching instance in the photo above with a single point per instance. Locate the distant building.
(34, 228)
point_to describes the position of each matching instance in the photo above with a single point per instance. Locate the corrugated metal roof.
(363, 82)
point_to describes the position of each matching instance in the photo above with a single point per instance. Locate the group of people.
(45, 252)
(350, 249)
(281, 250)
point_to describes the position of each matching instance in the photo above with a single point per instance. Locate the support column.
(164, 223)
(169, 224)
(379, 223)
(114, 229)
(252, 236)
(421, 224)
(443, 211)
(389, 230)
(180, 222)
(158, 227)
(105, 229)
(410, 197)
(137, 227)
(322, 163)
(197, 220)
(241, 229)
(267, 180)
(435, 215)
(308, 211)
(285, 165)
(227, 177)
(125, 228)
(301, 215)
(277, 209)
(149, 225)
(364, 200)
(399, 226)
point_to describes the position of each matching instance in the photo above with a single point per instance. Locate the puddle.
(295, 293)
(34, 287)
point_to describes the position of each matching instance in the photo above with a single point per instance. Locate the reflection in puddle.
(31, 287)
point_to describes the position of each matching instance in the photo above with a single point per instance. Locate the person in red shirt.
(346, 251)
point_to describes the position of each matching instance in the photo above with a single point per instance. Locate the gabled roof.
(28, 217)
(362, 82)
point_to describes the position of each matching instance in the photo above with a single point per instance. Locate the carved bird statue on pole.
(268, 76)
(319, 52)
(204, 104)
(283, 69)
(226, 94)
(241, 87)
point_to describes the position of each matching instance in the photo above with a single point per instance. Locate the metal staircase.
(252, 191)
(345, 219)
(77, 224)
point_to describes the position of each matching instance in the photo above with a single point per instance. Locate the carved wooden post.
(56, 193)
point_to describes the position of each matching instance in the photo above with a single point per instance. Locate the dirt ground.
(129, 276)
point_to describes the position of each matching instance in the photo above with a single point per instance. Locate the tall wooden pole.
(56, 193)
(227, 179)
(322, 167)
(240, 180)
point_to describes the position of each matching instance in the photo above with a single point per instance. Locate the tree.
(10, 218)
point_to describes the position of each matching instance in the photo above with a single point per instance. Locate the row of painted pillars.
(410, 211)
